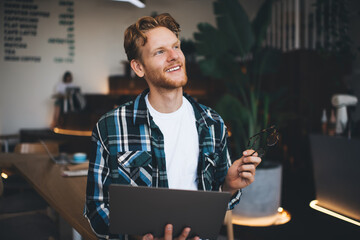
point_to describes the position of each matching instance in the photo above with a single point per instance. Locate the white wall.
(26, 87)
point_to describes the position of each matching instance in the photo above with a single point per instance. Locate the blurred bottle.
(324, 122)
(332, 124)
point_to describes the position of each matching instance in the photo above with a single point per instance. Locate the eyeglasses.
(262, 140)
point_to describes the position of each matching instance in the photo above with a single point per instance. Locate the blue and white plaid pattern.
(129, 137)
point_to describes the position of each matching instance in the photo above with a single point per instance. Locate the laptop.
(142, 210)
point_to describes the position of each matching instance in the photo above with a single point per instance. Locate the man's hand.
(168, 234)
(242, 172)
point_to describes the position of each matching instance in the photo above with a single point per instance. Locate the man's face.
(162, 61)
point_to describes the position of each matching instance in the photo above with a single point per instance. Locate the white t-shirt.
(62, 86)
(181, 144)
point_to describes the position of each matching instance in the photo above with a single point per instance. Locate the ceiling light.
(137, 3)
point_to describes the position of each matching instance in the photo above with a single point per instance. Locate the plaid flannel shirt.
(128, 148)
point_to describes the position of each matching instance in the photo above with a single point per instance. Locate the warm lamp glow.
(313, 204)
(72, 132)
(4, 175)
(281, 217)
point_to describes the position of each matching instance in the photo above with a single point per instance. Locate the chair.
(23, 208)
(7, 141)
(26, 225)
(229, 225)
(19, 197)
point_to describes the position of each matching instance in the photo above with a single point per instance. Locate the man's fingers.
(247, 175)
(168, 232)
(184, 234)
(247, 168)
(250, 152)
(251, 159)
(168, 235)
(148, 237)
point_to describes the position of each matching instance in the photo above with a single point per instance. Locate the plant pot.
(261, 199)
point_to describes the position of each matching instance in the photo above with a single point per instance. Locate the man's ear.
(137, 67)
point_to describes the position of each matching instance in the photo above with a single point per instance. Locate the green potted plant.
(233, 53)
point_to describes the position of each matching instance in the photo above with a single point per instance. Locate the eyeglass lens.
(266, 138)
(272, 139)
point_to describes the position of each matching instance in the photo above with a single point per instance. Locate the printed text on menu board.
(21, 23)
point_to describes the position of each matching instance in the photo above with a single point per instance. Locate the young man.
(163, 138)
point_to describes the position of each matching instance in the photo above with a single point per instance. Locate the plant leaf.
(208, 41)
(234, 23)
(261, 22)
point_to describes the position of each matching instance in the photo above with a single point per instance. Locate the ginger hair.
(134, 35)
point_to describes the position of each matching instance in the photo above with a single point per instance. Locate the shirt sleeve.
(98, 180)
(235, 198)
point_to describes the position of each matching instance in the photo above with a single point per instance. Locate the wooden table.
(65, 194)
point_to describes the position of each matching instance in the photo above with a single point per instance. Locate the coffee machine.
(341, 102)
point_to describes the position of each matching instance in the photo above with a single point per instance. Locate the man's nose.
(173, 55)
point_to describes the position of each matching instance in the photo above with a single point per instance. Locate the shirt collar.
(141, 113)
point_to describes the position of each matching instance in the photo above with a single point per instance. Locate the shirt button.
(160, 138)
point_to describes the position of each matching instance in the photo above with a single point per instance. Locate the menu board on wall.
(21, 22)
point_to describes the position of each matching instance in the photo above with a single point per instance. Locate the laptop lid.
(142, 210)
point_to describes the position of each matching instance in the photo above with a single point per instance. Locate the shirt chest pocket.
(135, 167)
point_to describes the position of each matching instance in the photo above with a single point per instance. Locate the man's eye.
(159, 52)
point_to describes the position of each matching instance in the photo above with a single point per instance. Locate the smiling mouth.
(173, 69)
